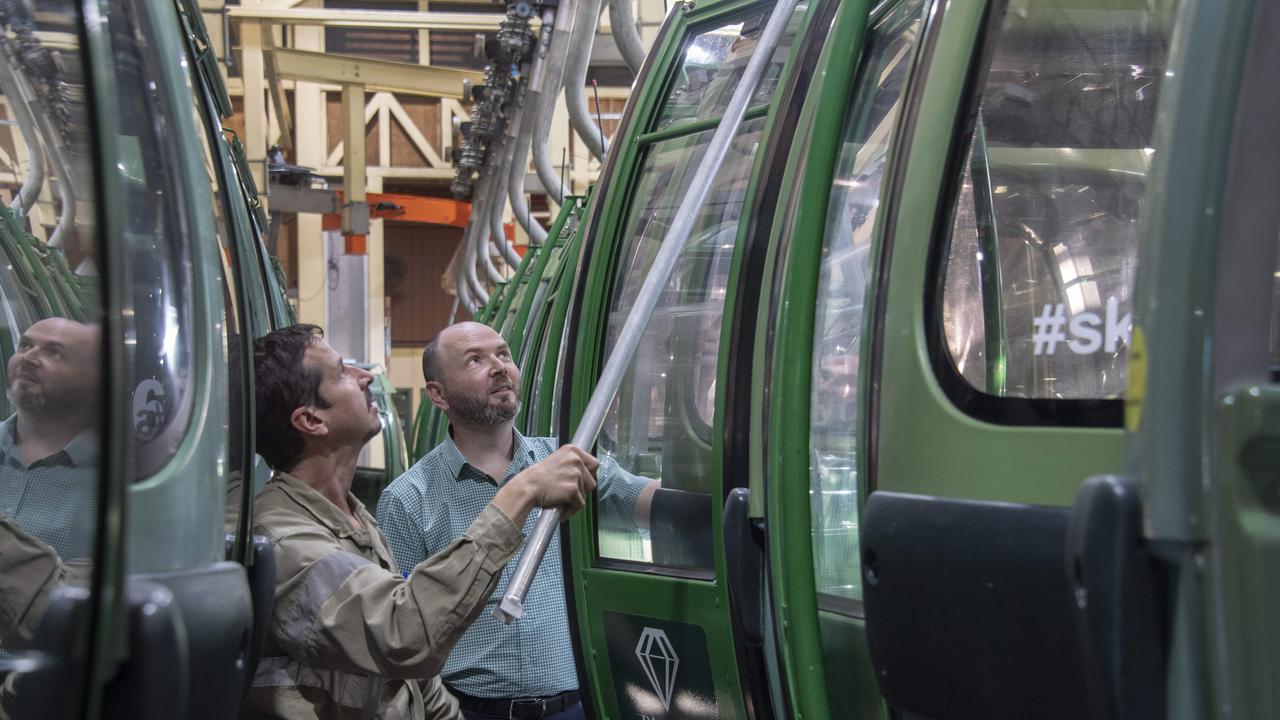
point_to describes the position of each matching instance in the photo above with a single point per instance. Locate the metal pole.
(511, 607)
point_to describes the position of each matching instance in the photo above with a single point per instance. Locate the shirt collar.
(81, 451)
(522, 456)
(325, 512)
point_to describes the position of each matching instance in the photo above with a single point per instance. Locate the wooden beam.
(255, 106)
(278, 98)
(355, 212)
(375, 75)
(323, 17)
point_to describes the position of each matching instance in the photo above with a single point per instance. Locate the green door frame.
(648, 592)
(1204, 405)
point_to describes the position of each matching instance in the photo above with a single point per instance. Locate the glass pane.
(1039, 277)
(50, 342)
(157, 314)
(660, 425)
(231, 275)
(842, 288)
(714, 62)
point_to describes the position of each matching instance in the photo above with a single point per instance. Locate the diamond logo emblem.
(660, 662)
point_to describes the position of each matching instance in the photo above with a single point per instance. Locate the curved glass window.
(1039, 269)
(157, 312)
(661, 422)
(51, 340)
(713, 64)
(842, 294)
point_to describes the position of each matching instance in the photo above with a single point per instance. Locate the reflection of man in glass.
(49, 447)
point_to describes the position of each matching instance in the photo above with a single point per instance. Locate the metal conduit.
(520, 136)
(511, 606)
(586, 20)
(510, 257)
(467, 269)
(516, 170)
(548, 93)
(508, 252)
(62, 185)
(461, 296)
(625, 34)
(29, 193)
(480, 212)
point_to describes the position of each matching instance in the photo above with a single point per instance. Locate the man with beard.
(49, 446)
(350, 635)
(472, 378)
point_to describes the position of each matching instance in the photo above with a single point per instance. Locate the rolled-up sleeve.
(337, 609)
(617, 492)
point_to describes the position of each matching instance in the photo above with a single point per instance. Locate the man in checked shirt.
(526, 669)
(350, 637)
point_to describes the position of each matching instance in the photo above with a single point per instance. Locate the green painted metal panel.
(704, 603)
(783, 486)
(1036, 465)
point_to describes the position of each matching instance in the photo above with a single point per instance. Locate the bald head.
(449, 338)
(54, 370)
(471, 375)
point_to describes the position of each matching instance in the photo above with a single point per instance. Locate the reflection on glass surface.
(157, 316)
(842, 288)
(714, 62)
(1038, 291)
(50, 337)
(661, 421)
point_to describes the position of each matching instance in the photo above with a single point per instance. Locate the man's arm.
(623, 495)
(29, 569)
(336, 609)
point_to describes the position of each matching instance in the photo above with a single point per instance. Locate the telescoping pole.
(511, 607)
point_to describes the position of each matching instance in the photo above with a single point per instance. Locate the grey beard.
(473, 411)
(40, 402)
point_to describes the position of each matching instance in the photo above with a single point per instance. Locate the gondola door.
(1186, 575)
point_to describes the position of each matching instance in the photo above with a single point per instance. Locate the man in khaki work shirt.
(350, 637)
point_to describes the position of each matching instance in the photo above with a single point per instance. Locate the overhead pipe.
(520, 134)
(552, 81)
(625, 34)
(62, 184)
(586, 20)
(499, 199)
(516, 171)
(480, 212)
(29, 193)
(497, 228)
(511, 606)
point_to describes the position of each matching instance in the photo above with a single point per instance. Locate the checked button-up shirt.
(432, 504)
(54, 499)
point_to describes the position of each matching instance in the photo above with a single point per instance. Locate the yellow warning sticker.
(1136, 392)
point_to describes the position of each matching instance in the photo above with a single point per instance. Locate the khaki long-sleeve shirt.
(350, 637)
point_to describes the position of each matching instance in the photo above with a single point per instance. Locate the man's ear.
(308, 422)
(435, 391)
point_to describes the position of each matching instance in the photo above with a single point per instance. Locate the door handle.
(1115, 585)
(744, 560)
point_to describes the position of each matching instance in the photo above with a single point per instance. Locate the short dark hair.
(430, 361)
(283, 383)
